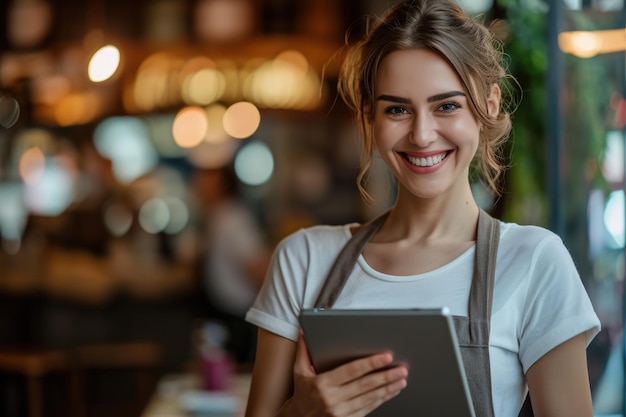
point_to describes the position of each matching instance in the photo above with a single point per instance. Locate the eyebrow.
(431, 99)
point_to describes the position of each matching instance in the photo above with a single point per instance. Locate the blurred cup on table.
(215, 363)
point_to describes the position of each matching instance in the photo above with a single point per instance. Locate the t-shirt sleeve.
(557, 306)
(277, 305)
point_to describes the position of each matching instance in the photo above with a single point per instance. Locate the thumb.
(302, 364)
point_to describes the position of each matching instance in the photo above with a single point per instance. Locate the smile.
(428, 161)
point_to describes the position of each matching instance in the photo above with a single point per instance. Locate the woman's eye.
(449, 107)
(396, 110)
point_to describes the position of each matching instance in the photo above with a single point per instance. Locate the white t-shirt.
(539, 300)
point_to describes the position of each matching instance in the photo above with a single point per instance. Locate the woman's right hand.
(351, 390)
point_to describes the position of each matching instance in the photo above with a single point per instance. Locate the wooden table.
(181, 395)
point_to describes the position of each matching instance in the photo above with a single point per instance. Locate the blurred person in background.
(234, 256)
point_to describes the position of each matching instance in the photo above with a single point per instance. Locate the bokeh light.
(241, 120)
(53, 192)
(190, 127)
(295, 59)
(9, 111)
(202, 82)
(178, 215)
(156, 84)
(118, 218)
(476, 6)
(13, 213)
(28, 22)
(104, 63)
(284, 82)
(32, 165)
(77, 108)
(585, 44)
(613, 162)
(125, 141)
(254, 164)
(614, 218)
(223, 20)
(154, 215)
(164, 80)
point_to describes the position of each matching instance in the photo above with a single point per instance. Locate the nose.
(424, 131)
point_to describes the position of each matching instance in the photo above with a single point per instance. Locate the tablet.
(425, 340)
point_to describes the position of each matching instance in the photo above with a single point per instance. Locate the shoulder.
(528, 240)
(513, 232)
(308, 245)
(316, 236)
(534, 258)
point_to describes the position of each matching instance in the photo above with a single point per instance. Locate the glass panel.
(592, 214)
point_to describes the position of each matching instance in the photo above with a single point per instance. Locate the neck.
(438, 218)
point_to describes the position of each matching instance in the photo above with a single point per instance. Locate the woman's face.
(423, 127)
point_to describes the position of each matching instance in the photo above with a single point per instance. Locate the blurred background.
(153, 152)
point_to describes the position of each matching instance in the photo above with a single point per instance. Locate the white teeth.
(426, 162)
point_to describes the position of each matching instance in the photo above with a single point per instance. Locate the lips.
(428, 161)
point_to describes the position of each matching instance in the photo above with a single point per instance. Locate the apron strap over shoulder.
(344, 264)
(481, 291)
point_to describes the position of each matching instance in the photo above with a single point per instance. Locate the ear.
(493, 101)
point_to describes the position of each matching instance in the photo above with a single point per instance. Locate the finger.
(302, 364)
(368, 401)
(375, 382)
(358, 368)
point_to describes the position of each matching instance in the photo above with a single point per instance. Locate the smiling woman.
(426, 85)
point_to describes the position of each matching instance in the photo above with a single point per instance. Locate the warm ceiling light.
(285, 82)
(204, 86)
(585, 44)
(104, 63)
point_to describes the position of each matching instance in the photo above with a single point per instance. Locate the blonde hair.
(469, 47)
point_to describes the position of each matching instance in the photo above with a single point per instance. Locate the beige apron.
(472, 331)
